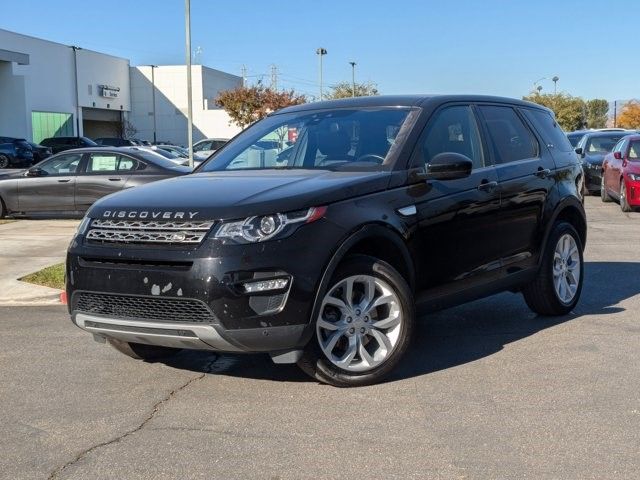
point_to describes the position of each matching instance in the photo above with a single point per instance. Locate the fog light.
(265, 285)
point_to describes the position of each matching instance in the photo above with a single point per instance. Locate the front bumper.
(592, 176)
(191, 297)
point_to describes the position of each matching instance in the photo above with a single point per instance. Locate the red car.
(621, 173)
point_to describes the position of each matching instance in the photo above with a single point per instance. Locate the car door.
(104, 173)
(455, 241)
(612, 171)
(526, 173)
(51, 185)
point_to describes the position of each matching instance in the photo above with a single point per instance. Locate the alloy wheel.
(360, 322)
(566, 268)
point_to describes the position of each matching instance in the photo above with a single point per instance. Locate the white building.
(170, 82)
(49, 89)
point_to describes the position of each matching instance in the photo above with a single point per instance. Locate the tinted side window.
(127, 164)
(61, 165)
(453, 129)
(549, 129)
(510, 139)
(634, 151)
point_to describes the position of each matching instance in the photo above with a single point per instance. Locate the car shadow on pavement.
(455, 336)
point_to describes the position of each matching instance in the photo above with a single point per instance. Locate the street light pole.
(353, 78)
(321, 52)
(75, 69)
(153, 99)
(187, 8)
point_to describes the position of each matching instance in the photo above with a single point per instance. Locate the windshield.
(353, 139)
(602, 144)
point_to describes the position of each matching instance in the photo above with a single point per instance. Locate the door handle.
(115, 179)
(487, 186)
(64, 180)
(543, 172)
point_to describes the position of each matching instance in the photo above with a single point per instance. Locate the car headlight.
(84, 225)
(267, 227)
(634, 177)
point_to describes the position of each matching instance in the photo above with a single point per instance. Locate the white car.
(204, 148)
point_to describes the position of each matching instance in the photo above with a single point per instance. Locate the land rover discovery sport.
(319, 257)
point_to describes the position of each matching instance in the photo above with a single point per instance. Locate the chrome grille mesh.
(140, 231)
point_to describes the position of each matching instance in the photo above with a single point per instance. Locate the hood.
(594, 158)
(229, 195)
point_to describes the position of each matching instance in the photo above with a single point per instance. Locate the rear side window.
(548, 129)
(110, 162)
(454, 129)
(509, 138)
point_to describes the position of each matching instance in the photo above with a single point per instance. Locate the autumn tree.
(630, 116)
(346, 90)
(570, 111)
(597, 110)
(246, 105)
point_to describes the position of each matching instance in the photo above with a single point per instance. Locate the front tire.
(558, 283)
(4, 161)
(364, 325)
(140, 351)
(624, 203)
(604, 196)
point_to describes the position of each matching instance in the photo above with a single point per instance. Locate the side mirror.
(617, 155)
(36, 172)
(579, 151)
(448, 166)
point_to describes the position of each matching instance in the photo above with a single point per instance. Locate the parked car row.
(611, 164)
(68, 183)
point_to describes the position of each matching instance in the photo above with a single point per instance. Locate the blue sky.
(405, 46)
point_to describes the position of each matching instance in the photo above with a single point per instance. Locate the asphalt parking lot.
(487, 391)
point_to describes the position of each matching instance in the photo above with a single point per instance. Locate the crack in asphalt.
(210, 367)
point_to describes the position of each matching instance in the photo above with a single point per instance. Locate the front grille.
(140, 231)
(146, 308)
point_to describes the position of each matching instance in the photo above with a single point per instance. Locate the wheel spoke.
(364, 355)
(348, 292)
(390, 321)
(352, 349)
(327, 325)
(382, 340)
(330, 343)
(369, 293)
(336, 302)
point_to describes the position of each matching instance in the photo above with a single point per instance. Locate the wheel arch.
(570, 210)
(376, 240)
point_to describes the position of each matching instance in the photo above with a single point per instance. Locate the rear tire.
(140, 351)
(4, 161)
(364, 333)
(604, 196)
(624, 203)
(556, 290)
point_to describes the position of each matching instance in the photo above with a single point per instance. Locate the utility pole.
(615, 114)
(321, 52)
(274, 78)
(353, 78)
(75, 69)
(187, 8)
(153, 100)
(244, 75)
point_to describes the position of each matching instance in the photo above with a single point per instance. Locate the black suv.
(320, 258)
(60, 144)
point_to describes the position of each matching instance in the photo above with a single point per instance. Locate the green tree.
(246, 105)
(345, 90)
(597, 110)
(570, 111)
